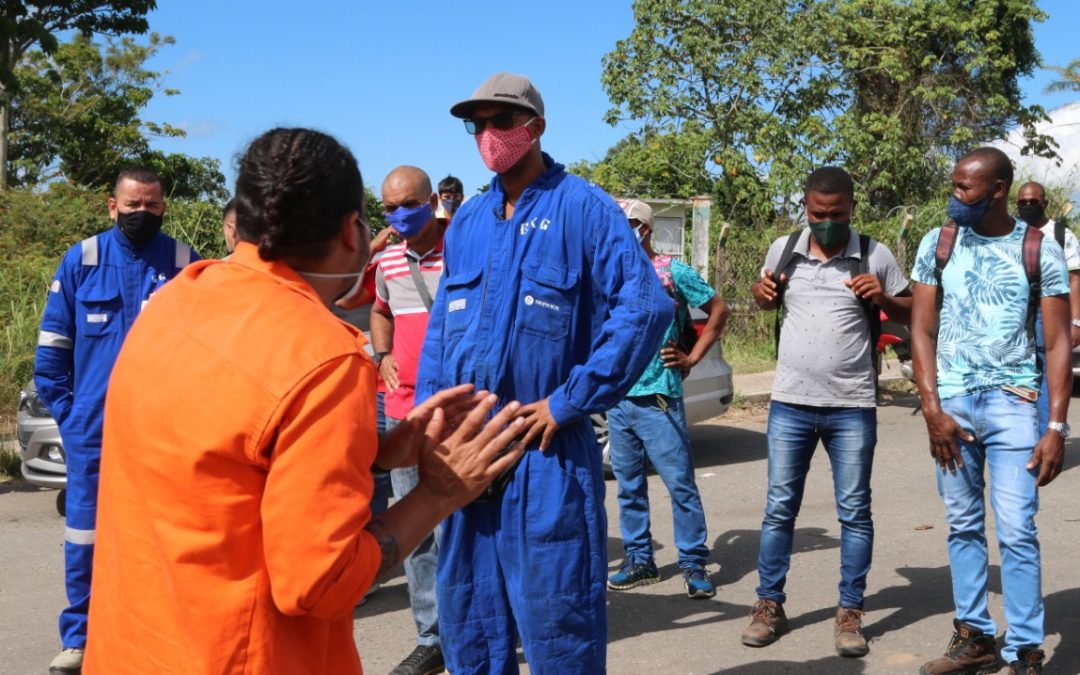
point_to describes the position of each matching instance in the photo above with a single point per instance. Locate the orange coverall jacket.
(235, 481)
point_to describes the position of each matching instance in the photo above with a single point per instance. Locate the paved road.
(657, 629)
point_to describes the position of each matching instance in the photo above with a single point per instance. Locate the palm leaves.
(1070, 78)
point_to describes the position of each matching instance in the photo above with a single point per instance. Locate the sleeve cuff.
(561, 411)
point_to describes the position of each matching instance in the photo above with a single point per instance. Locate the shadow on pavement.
(720, 445)
(18, 486)
(737, 551)
(835, 665)
(1062, 620)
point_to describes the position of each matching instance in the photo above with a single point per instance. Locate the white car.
(707, 391)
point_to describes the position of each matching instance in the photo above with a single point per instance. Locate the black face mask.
(139, 226)
(1032, 214)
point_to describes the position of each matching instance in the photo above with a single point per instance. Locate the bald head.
(1031, 191)
(990, 162)
(410, 178)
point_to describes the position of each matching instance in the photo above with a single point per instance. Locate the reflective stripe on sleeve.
(90, 252)
(183, 255)
(81, 537)
(50, 339)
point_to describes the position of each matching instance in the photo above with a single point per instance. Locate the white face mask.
(638, 234)
(355, 288)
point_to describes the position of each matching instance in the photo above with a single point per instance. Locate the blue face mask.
(968, 215)
(451, 205)
(409, 222)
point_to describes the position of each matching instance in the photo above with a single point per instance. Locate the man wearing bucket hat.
(546, 298)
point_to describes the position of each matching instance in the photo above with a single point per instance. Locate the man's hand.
(539, 422)
(1049, 456)
(944, 431)
(1075, 335)
(455, 471)
(865, 286)
(384, 238)
(673, 357)
(388, 368)
(765, 289)
(401, 446)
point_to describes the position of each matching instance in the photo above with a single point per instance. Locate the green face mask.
(829, 233)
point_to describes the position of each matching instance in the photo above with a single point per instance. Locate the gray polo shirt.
(825, 353)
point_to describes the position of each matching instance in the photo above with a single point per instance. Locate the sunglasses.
(502, 121)
(1028, 202)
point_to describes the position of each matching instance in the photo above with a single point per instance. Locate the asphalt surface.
(657, 629)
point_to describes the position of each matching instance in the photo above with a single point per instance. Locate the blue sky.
(381, 76)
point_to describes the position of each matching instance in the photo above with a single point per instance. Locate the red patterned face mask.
(503, 148)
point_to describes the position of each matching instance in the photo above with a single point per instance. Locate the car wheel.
(600, 428)
(61, 503)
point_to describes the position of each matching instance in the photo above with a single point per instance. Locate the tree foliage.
(1069, 78)
(890, 89)
(78, 117)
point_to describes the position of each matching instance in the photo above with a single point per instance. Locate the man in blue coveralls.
(98, 290)
(547, 298)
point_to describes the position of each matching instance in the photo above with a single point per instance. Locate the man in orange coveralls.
(240, 436)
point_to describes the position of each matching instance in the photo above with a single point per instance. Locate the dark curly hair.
(292, 189)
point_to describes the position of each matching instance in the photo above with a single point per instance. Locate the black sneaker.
(424, 660)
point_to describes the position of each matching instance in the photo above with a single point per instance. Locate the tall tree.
(79, 118)
(28, 23)
(888, 88)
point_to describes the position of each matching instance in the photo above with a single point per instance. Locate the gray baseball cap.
(502, 88)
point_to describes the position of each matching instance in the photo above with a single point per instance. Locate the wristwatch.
(377, 357)
(1076, 322)
(1060, 427)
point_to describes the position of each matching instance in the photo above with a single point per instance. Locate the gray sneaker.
(67, 662)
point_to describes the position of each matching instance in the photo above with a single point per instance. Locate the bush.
(36, 229)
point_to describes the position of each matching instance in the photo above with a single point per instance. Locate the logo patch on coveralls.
(536, 223)
(97, 318)
(530, 301)
(456, 305)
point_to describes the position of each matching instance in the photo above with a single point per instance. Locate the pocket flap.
(463, 278)
(96, 294)
(550, 274)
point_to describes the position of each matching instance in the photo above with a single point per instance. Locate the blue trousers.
(1006, 430)
(420, 564)
(641, 428)
(531, 563)
(83, 471)
(849, 436)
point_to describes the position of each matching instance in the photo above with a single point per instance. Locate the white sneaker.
(67, 662)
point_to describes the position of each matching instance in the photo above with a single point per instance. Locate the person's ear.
(113, 211)
(352, 231)
(999, 192)
(433, 200)
(539, 125)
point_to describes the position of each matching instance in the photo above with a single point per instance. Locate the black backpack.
(1032, 244)
(855, 268)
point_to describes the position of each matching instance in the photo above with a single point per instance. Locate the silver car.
(42, 450)
(707, 391)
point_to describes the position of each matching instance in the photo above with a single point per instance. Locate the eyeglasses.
(503, 121)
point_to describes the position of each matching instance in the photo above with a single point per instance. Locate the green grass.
(9, 465)
(748, 342)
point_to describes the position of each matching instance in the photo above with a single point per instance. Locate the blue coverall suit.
(558, 301)
(97, 292)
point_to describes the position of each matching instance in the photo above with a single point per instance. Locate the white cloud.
(200, 128)
(1064, 127)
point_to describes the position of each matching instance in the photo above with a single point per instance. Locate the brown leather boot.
(970, 652)
(767, 623)
(1028, 662)
(848, 632)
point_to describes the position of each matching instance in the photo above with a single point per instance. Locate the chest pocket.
(97, 311)
(548, 295)
(463, 299)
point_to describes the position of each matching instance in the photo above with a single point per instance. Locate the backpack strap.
(785, 260)
(1059, 234)
(1033, 238)
(873, 313)
(945, 244)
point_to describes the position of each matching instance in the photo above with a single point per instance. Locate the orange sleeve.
(316, 503)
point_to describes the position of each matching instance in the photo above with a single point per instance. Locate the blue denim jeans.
(420, 564)
(1043, 402)
(1006, 430)
(849, 436)
(639, 427)
(380, 498)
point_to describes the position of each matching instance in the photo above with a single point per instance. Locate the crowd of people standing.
(232, 451)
